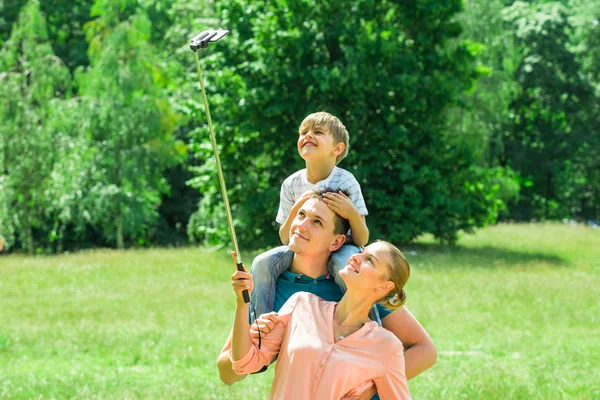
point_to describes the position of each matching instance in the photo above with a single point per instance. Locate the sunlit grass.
(513, 310)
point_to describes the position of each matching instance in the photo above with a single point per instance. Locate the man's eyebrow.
(317, 216)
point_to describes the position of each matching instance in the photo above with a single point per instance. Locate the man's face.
(312, 229)
(317, 142)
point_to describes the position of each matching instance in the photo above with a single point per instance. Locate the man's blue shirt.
(324, 286)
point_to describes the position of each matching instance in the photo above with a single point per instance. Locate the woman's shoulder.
(310, 300)
(387, 338)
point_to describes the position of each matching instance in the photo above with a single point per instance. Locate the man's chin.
(294, 247)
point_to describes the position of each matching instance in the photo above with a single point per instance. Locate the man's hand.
(340, 204)
(241, 280)
(265, 324)
(366, 395)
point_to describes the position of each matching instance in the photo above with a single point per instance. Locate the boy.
(322, 143)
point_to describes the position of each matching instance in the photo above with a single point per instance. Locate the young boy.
(322, 143)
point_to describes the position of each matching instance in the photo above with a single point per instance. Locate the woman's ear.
(385, 287)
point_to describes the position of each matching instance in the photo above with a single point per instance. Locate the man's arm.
(420, 353)
(226, 373)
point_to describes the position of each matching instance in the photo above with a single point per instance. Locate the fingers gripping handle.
(240, 267)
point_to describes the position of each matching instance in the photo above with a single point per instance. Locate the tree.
(34, 83)
(130, 123)
(389, 70)
(549, 130)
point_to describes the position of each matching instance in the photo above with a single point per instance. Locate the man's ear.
(338, 241)
(339, 148)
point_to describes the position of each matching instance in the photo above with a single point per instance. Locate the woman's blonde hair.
(398, 273)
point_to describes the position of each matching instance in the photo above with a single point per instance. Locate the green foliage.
(550, 115)
(130, 125)
(32, 78)
(389, 70)
(456, 110)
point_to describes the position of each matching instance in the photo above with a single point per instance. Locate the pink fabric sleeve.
(257, 358)
(392, 384)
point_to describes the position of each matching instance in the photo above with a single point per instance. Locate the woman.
(329, 350)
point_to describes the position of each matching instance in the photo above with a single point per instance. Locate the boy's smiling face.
(317, 143)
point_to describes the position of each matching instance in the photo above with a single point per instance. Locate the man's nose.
(302, 224)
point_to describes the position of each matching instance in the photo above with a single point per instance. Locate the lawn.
(513, 309)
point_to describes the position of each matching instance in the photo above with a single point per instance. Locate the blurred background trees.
(460, 113)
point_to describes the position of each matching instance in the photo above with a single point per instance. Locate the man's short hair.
(340, 225)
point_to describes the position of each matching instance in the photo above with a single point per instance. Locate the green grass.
(514, 311)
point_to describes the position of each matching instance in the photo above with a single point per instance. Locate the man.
(315, 233)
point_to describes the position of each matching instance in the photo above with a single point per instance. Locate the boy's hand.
(265, 324)
(241, 280)
(341, 204)
(305, 196)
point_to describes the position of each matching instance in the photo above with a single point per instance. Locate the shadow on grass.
(445, 256)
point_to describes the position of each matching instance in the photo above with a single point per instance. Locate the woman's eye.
(318, 222)
(301, 213)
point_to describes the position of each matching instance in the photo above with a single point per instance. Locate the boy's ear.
(338, 241)
(339, 148)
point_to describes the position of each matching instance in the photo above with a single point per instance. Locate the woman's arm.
(392, 384)
(420, 353)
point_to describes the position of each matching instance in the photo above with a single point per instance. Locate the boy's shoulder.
(296, 176)
(343, 172)
(343, 178)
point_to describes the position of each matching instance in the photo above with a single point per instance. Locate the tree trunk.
(27, 227)
(61, 235)
(120, 244)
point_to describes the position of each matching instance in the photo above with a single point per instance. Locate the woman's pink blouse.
(311, 365)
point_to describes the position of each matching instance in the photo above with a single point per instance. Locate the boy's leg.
(265, 270)
(339, 259)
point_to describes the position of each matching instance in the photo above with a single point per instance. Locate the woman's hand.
(241, 280)
(265, 324)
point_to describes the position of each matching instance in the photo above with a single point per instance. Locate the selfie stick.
(201, 41)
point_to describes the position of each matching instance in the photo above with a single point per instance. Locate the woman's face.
(369, 269)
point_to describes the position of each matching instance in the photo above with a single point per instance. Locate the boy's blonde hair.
(399, 272)
(335, 126)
